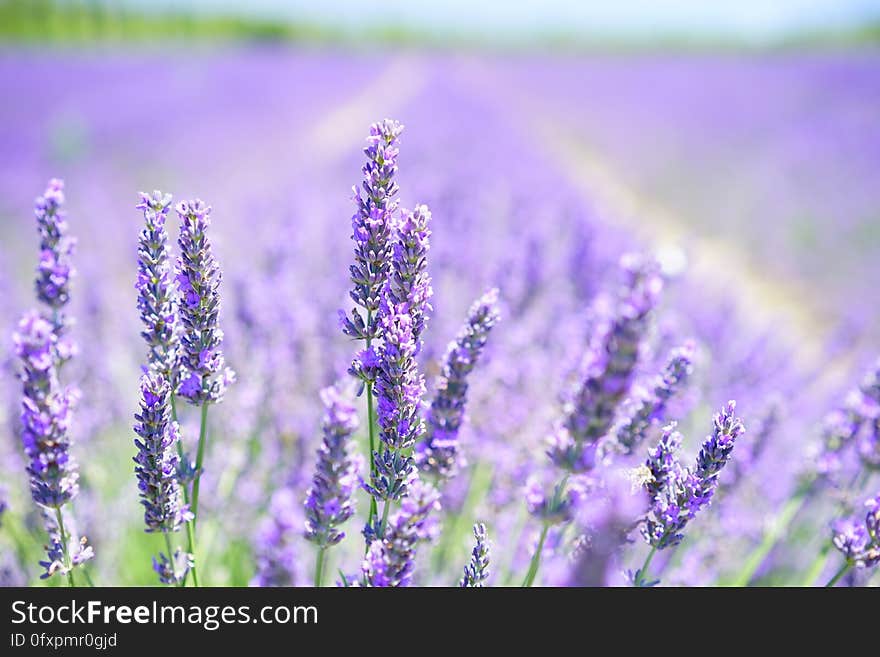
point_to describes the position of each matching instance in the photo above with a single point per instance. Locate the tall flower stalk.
(398, 385)
(55, 269)
(157, 465)
(204, 376)
(42, 346)
(606, 376)
(438, 451)
(371, 232)
(330, 498)
(157, 300)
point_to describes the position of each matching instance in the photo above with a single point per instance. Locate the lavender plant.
(438, 452)
(648, 404)
(477, 571)
(157, 467)
(204, 376)
(608, 370)
(330, 499)
(858, 540)
(390, 559)
(397, 383)
(55, 269)
(278, 560)
(46, 407)
(372, 226)
(679, 493)
(156, 293)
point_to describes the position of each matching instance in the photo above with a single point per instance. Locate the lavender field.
(583, 321)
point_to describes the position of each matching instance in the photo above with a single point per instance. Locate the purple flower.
(204, 376)
(608, 367)
(330, 499)
(648, 404)
(371, 228)
(399, 388)
(860, 410)
(278, 560)
(869, 441)
(390, 560)
(46, 413)
(662, 463)
(157, 460)
(477, 571)
(679, 493)
(408, 284)
(438, 452)
(859, 541)
(156, 293)
(55, 269)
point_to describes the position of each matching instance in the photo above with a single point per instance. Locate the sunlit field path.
(723, 266)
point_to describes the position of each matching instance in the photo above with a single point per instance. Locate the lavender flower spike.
(156, 292)
(477, 571)
(55, 268)
(662, 464)
(859, 542)
(390, 559)
(684, 492)
(371, 229)
(608, 368)
(843, 425)
(399, 388)
(330, 499)
(205, 376)
(869, 442)
(157, 460)
(408, 281)
(648, 405)
(46, 412)
(279, 562)
(438, 452)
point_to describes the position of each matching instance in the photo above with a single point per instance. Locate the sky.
(749, 19)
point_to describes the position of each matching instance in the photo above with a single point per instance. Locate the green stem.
(200, 456)
(65, 545)
(170, 552)
(374, 510)
(180, 451)
(194, 506)
(385, 516)
(319, 567)
(817, 566)
(558, 492)
(844, 569)
(182, 455)
(643, 571)
(778, 528)
(536, 558)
